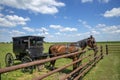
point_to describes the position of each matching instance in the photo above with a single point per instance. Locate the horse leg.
(53, 64)
(74, 65)
(80, 62)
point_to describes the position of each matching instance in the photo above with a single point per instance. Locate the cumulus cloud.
(28, 29)
(16, 33)
(55, 26)
(94, 32)
(68, 29)
(12, 20)
(85, 1)
(63, 29)
(43, 30)
(115, 12)
(58, 33)
(114, 29)
(37, 6)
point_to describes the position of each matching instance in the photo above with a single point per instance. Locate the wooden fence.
(73, 75)
(112, 48)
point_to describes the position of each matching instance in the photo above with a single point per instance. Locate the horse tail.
(50, 56)
(50, 52)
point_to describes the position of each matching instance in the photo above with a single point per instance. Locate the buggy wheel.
(26, 59)
(9, 61)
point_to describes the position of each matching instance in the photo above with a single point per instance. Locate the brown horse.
(60, 49)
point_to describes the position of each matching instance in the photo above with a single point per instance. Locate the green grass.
(106, 69)
(4, 48)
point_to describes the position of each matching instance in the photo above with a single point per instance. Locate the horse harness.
(78, 44)
(67, 48)
(82, 43)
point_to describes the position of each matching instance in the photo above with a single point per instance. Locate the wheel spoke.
(9, 60)
(26, 59)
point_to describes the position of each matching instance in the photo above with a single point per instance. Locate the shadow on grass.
(66, 71)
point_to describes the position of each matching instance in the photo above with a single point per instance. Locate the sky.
(60, 20)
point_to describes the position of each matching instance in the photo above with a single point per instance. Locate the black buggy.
(26, 49)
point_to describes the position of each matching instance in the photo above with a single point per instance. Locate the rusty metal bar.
(74, 71)
(8, 69)
(87, 69)
(59, 69)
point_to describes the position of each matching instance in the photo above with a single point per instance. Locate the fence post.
(101, 51)
(106, 49)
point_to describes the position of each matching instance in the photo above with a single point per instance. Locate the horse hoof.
(52, 68)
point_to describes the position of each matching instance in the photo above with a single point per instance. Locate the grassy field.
(107, 69)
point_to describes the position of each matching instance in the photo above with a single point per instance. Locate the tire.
(9, 60)
(26, 59)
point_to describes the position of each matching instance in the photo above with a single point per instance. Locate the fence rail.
(87, 69)
(59, 69)
(112, 48)
(12, 68)
(80, 67)
(89, 65)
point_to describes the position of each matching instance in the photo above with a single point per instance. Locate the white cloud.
(94, 32)
(28, 29)
(114, 29)
(58, 33)
(16, 33)
(115, 12)
(103, 1)
(68, 29)
(43, 30)
(100, 26)
(37, 6)
(84, 1)
(63, 29)
(12, 20)
(55, 26)
(85, 24)
(79, 34)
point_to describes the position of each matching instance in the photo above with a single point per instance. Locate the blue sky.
(60, 20)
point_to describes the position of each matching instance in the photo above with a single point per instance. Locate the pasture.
(106, 69)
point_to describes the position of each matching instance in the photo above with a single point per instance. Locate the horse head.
(92, 43)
